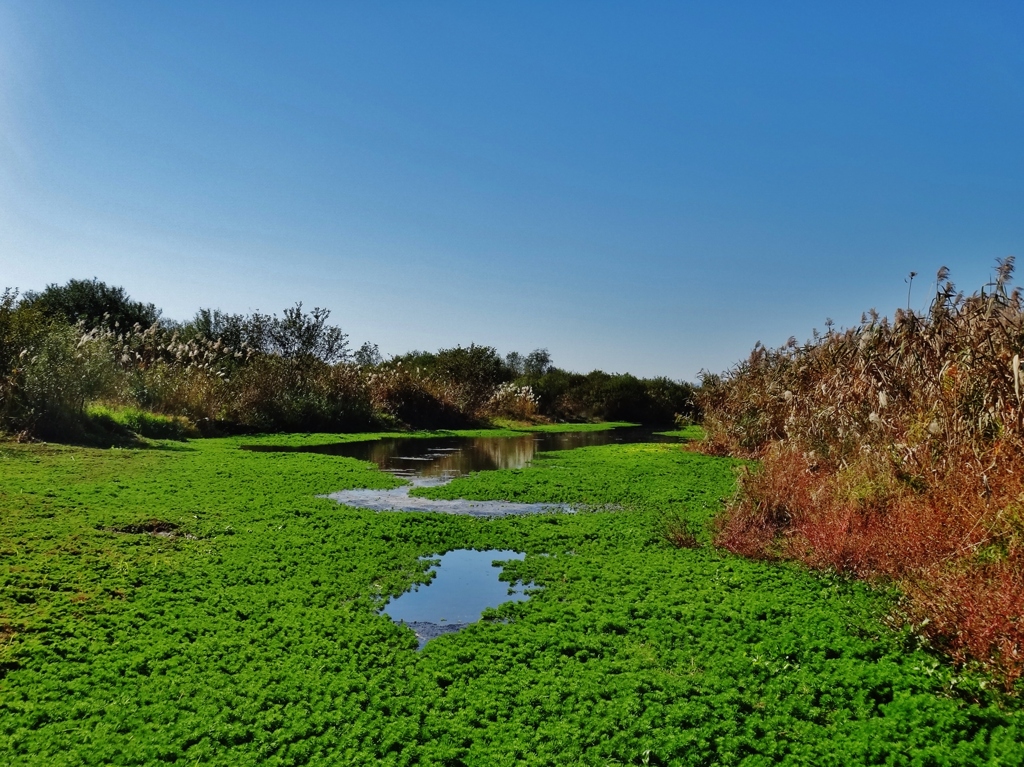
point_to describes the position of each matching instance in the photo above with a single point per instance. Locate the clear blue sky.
(641, 187)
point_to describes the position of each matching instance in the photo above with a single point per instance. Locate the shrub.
(678, 531)
(21, 329)
(893, 450)
(469, 375)
(48, 369)
(273, 393)
(88, 342)
(512, 401)
(65, 369)
(612, 397)
(407, 395)
(143, 423)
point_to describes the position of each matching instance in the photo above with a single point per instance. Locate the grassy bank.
(247, 631)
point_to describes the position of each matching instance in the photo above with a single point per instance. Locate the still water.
(435, 460)
(465, 584)
(398, 499)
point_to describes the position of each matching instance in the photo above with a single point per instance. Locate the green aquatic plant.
(253, 635)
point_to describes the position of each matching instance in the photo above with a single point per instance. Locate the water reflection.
(427, 461)
(398, 499)
(465, 584)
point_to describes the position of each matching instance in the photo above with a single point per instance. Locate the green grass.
(252, 636)
(141, 422)
(516, 427)
(688, 433)
(499, 430)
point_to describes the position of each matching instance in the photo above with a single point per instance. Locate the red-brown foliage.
(975, 613)
(894, 451)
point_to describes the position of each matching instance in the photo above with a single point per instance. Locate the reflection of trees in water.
(454, 456)
(507, 453)
(380, 452)
(482, 454)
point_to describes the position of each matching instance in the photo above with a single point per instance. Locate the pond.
(435, 460)
(465, 584)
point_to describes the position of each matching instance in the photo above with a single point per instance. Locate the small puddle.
(465, 584)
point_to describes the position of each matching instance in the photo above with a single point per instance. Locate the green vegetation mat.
(304, 440)
(194, 603)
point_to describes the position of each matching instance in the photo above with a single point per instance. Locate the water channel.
(435, 460)
(466, 581)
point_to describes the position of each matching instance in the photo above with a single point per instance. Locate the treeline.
(894, 450)
(76, 353)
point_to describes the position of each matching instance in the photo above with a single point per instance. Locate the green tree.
(474, 371)
(301, 334)
(93, 303)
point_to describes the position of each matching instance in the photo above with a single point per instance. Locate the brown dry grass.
(894, 451)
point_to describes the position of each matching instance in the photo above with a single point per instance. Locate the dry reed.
(894, 450)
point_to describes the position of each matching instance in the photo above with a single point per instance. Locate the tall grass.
(141, 422)
(71, 347)
(894, 450)
(49, 370)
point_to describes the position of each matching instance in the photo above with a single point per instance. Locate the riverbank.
(192, 601)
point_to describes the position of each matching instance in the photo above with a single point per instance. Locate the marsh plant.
(203, 606)
(510, 400)
(49, 370)
(894, 450)
(88, 344)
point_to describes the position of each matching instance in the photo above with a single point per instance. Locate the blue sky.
(641, 187)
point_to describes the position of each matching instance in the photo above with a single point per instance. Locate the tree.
(474, 371)
(300, 334)
(368, 355)
(93, 303)
(515, 362)
(537, 363)
(215, 325)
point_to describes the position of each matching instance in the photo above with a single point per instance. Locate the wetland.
(466, 584)
(261, 632)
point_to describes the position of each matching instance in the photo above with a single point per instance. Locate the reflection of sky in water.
(465, 584)
(398, 500)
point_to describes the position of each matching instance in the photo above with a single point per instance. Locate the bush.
(48, 369)
(65, 370)
(273, 393)
(612, 397)
(21, 329)
(512, 401)
(88, 342)
(894, 450)
(465, 377)
(141, 422)
(405, 396)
